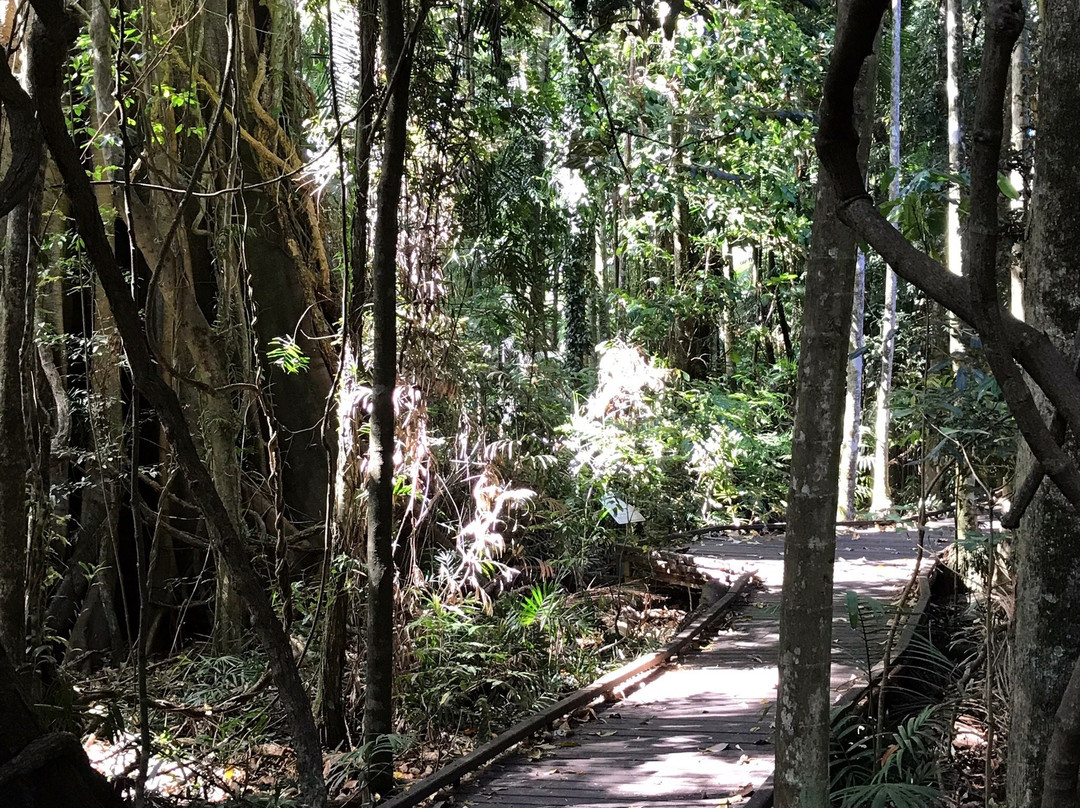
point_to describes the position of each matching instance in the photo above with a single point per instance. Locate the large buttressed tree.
(159, 382)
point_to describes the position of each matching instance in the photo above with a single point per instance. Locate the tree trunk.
(764, 309)
(1060, 779)
(35, 769)
(85, 611)
(603, 284)
(682, 353)
(849, 450)
(1047, 565)
(22, 229)
(16, 311)
(39, 769)
(802, 726)
(351, 445)
(1018, 141)
(954, 61)
(1007, 342)
(881, 495)
(53, 445)
(51, 37)
(537, 338)
(576, 296)
(378, 696)
(727, 333)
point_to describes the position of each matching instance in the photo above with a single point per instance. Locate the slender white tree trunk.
(881, 499)
(1018, 131)
(849, 449)
(954, 34)
(953, 56)
(726, 331)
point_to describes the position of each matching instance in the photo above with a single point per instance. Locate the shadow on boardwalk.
(699, 733)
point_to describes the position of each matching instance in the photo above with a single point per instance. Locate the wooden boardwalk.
(698, 733)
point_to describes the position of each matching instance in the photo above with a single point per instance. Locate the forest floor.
(701, 730)
(218, 734)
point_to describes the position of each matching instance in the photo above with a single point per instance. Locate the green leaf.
(287, 355)
(852, 600)
(1007, 188)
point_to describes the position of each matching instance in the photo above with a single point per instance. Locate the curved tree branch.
(836, 144)
(1004, 23)
(25, 139)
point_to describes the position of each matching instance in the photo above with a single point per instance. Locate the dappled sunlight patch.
(625, 374)
(694, 773)
(674, 450)
(968, 733)
(680, 689)
(189, 778)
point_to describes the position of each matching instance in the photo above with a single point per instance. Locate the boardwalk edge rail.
(763, 795)
(453, 772)
(912, 620)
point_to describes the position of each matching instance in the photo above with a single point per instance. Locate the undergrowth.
(895, 759)
(906, 774)
(476, 670)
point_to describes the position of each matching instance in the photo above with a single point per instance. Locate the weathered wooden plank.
(617, 783)
(766, 527)
(674, 568)
(643, 747)
(612, 783)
